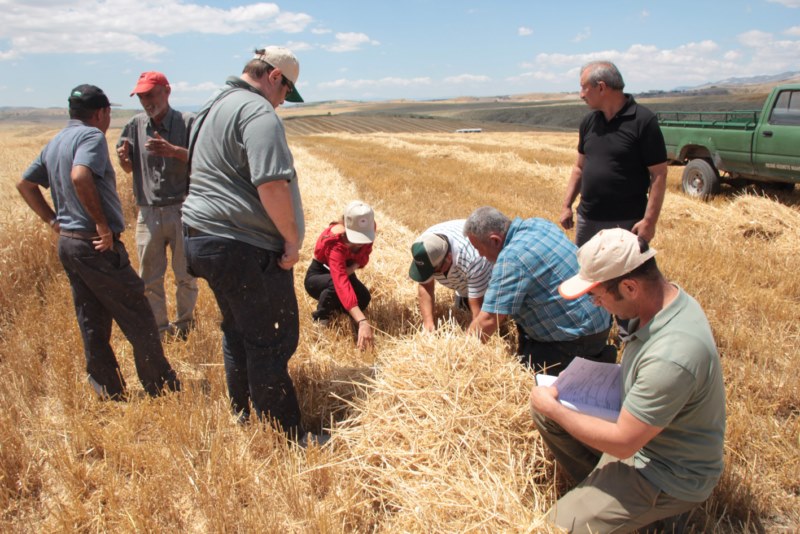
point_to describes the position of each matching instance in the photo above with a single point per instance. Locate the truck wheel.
(700, 179)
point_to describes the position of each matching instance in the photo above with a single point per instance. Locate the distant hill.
(771, 80)
(555, 111)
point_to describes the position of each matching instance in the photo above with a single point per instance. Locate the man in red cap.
(153, 145)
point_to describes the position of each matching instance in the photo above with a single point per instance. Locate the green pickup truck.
(737, 146)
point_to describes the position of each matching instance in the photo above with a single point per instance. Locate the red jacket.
(332, 250)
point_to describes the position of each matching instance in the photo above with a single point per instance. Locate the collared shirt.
(615, 178)
(469, 273)
(672, 378)
(536, 258)
(158, 180)
(77, 144)
(240, 146)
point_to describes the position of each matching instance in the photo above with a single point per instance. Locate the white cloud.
(644, 14)
(350, 41)
(649, 67)
(787, 3)
(381, 83)
(536, 76)
(523, 31)
(297, 46)
(186, 87)
(582, 36)
(467, 78)
(793, 31)
(321, 31)
(129, 26)
(754, 38)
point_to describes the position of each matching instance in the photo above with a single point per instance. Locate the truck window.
(786, 109)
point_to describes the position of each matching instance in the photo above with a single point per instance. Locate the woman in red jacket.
(343, 247)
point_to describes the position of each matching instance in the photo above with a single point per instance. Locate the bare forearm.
(180, 153)
(621, 439)
(573, 187)
(33, 196)
(484, 325)
(427, 300)
(276, 197)
(658, 189)
(83, 180)
(475, 304)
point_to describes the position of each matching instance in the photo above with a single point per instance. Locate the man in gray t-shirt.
(664, 454)
(243, 231)
(153, 145)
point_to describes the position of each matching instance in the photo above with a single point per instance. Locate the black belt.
(164, 204)
(193, 232)
(86, 236)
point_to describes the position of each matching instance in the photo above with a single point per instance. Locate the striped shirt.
(469, 274)
(536, 258)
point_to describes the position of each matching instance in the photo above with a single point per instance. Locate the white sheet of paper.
(593, 388)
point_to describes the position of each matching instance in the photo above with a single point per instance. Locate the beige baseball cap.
(608, 255)
(284, 59)
(359, 223)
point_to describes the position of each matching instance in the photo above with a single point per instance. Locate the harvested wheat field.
(431, 433)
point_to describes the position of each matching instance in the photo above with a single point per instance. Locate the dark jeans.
(585, 229)
(319, 284)
(259, 324)
(557, 355)
(105, 287)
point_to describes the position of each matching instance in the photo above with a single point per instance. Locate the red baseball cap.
(148, 80)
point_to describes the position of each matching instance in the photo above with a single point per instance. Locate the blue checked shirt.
(536, 258)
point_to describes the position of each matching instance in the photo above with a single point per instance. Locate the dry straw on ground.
(430, 432)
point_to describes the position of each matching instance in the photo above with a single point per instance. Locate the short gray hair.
(606, 72)
(484, 221)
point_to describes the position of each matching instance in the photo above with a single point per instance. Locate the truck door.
(776, 143)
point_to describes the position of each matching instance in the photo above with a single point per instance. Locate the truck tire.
(700, 179)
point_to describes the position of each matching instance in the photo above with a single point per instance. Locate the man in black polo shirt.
(621, 158)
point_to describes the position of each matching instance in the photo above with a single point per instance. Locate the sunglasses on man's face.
(285, 81)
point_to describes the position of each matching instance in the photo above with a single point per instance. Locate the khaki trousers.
(611, 497)
(157, 228)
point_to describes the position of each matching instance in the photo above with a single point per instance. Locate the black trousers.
(104, 288)
(260, 324)
(319, 285)
(557, 355)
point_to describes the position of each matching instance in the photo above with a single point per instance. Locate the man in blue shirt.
(76, 167)
(531, 257)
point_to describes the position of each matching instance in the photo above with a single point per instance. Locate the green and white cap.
(428, 251)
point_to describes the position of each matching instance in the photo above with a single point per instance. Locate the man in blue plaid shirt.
(531, 257)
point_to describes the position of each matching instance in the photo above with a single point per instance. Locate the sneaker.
(182, 333)
(311, 438)
(322, 323)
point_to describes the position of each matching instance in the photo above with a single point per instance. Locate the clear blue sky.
(366, 50)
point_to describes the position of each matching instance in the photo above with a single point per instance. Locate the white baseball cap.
(359, 223)
(284, 59)
(609, 254)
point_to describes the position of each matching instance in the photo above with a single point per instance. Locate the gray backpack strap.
(198, 123)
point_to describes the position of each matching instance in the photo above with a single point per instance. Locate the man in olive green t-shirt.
(664, 454)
